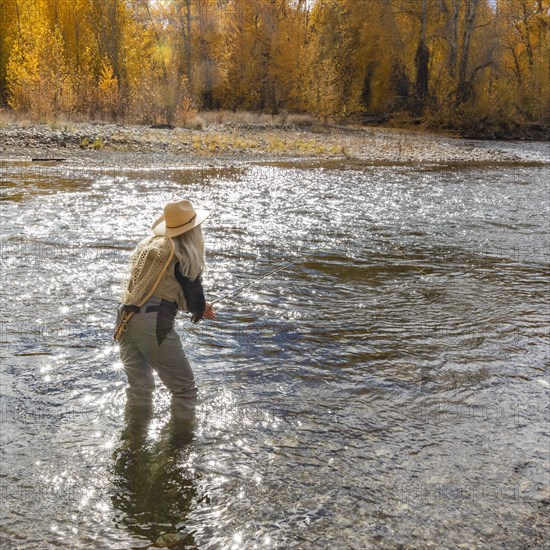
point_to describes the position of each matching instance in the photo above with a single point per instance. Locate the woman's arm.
(194, 296)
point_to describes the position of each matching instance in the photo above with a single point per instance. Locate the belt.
(163, 304)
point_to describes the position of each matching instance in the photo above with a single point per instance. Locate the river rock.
(174, 541)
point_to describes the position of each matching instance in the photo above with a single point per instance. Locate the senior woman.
(148, 341)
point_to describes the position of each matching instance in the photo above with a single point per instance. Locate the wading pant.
(150, 343)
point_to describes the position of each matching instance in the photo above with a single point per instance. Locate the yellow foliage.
(108, 88)
(37, 76)
(153, 62)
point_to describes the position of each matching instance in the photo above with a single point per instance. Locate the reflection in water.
(153, 487)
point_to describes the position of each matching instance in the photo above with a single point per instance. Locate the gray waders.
(150, 343)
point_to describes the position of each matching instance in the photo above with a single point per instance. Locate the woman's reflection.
(153, 488)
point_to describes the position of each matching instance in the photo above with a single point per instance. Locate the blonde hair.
(189, 251)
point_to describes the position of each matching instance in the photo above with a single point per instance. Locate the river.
(389, 390)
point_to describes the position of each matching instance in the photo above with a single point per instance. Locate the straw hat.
(179, 217)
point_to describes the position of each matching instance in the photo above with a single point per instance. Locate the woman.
(149, 341)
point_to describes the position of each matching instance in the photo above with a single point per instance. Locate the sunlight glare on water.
(389, 389)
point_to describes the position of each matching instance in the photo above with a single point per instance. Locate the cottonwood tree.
(445, 61)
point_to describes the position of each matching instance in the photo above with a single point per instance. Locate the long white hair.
(189, 251)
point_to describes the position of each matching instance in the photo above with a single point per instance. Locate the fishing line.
(244, 287)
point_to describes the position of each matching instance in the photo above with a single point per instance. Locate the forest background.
(458, 64)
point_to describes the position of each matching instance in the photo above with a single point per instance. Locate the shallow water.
(389, 390)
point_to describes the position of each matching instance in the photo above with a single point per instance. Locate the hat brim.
(159, 226)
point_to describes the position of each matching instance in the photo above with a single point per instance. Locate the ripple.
(387, 388)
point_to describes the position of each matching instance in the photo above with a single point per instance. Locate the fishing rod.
(248, 285)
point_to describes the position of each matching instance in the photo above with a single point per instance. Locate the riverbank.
(253, 142)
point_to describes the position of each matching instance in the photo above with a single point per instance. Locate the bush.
(96, 145)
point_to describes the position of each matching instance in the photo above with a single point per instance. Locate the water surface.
(389, 390)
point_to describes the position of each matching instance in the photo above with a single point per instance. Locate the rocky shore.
(231, 142)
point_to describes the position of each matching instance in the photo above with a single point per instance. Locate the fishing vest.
(170, 289)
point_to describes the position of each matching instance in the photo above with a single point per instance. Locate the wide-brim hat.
(179, 217)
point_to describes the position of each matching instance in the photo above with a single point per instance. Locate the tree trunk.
(400, 82)
(422, 61)
(463, 87)
(528, 45)
(114, 31)
(185, 24)
(453, 38)
(366, 92)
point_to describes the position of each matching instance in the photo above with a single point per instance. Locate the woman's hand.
(209, 312)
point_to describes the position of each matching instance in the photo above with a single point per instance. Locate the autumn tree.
(524, 37)
(446, 61)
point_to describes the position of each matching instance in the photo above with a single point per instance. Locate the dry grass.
(194, 123)
(305, 121)
(213, 144)
(12, 117)
(210, 144)
(239, 117)
(189, 119)
(249, 118)
(63, 121)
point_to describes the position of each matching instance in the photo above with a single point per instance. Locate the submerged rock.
(175, 541)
